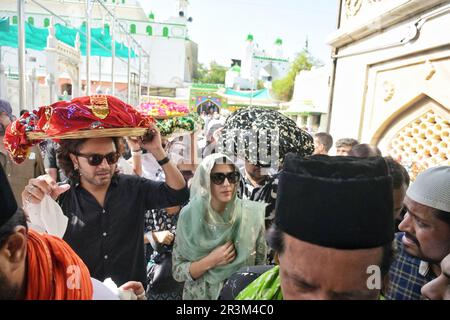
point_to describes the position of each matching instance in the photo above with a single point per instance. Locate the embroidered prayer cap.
(8, 204)
(263, 137)
(432, 188)
(336, 202)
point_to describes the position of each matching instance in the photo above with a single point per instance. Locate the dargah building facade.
(390, 84)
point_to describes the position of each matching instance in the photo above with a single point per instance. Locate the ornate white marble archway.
(406, 110)
(62, 58)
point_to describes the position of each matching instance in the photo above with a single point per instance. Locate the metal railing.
(116, 24)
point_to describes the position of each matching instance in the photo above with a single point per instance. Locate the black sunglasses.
(219, 177)
(96, 159)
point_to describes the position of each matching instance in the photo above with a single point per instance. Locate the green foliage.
(284, 88)
(214, 74)
(260, 85)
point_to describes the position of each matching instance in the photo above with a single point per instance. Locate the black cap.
(336, 202)
(8, 204)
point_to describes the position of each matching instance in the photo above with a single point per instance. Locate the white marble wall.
(372, 87)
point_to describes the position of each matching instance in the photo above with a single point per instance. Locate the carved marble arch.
(74, 75)
(65, 66)
(418, 135)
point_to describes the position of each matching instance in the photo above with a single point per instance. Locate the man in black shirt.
(106, 209)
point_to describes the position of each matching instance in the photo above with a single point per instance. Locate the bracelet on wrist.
(163, 161)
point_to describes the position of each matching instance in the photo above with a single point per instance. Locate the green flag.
(4, 24)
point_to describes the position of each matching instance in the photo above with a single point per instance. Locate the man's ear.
(74, 160)
(15, 248)
(321, 148)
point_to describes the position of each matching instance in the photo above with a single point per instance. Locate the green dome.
(250, 37)
(236, 68)
(279, 41)
(151, 16)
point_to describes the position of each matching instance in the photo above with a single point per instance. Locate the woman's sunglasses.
(96, 159)
(219, 177)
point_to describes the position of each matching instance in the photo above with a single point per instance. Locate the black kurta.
(110, 239)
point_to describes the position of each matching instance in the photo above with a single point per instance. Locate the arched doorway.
(66, 88)
(208, 106)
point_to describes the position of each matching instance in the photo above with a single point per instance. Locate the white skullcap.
(432, 188)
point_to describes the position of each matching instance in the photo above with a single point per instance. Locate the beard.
(96, 179)
(258, 176)
(8, 291)
(417, 250)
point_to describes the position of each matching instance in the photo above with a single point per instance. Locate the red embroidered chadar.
(84, 117)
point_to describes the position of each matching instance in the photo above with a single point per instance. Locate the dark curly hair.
(72, 146)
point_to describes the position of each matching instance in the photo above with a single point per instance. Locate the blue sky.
(220, 27)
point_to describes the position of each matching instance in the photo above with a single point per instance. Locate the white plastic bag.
(122, 294)
(47, 216)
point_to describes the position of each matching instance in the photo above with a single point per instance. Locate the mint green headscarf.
(200, 229)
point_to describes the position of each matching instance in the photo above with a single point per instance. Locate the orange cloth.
(55, 272)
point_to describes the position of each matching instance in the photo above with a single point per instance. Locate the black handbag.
(159, 275)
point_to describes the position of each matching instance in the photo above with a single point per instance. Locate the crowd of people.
(137, 220)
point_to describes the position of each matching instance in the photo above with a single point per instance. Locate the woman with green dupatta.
(217, 233)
